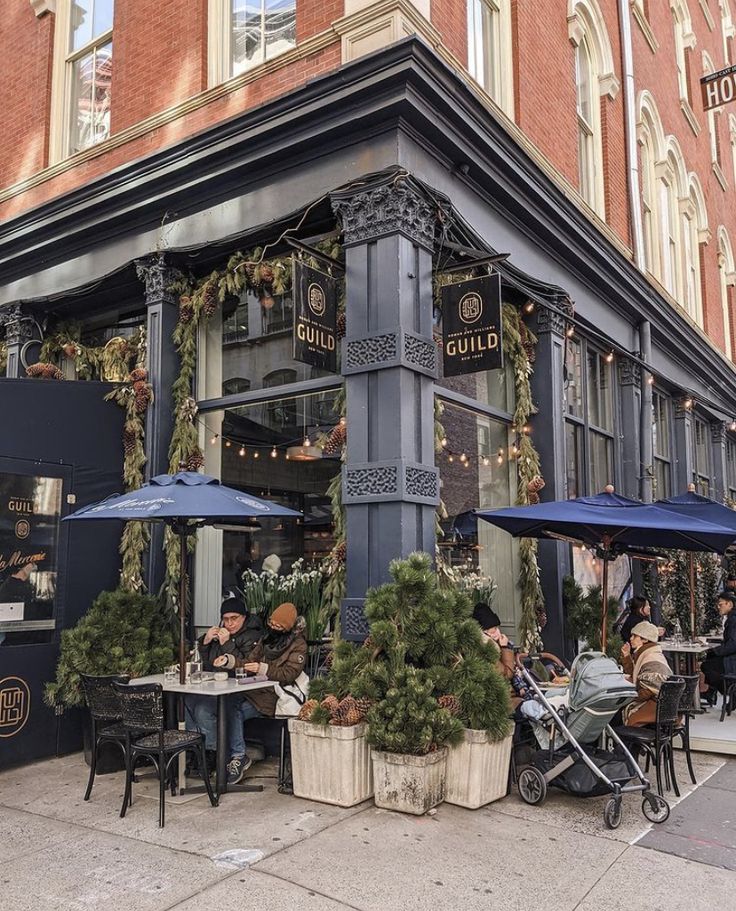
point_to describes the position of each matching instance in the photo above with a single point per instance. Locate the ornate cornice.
(158, 276)
(397, 208)
(629, 372)
(551, 320)
(718, 433)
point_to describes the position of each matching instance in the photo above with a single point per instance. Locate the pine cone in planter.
(346, 713)
(363, 706)
(209, 298)
(451, 703)
(330, 703)
(265, 273)
(305, 712)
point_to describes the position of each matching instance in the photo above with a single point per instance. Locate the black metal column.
(549, 437)
(719, 438)
(389, 360)
(20, 328)
(629, 375)
(162, 307)
(684, 462)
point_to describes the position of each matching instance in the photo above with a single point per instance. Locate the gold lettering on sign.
(15, 705)
(472, 344)
(20, 559)
(20, 504)
(315, 336)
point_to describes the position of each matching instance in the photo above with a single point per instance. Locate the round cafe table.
(685, 658)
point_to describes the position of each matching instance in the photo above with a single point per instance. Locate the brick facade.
(160, 75)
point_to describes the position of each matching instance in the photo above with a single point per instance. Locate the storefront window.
(30, 513)
(600, 398)
(701, 457)
(731, 468)
(494, 388)
(261, 449)
(661, 445)
(573, 456)
(476, 472)
(574, 378)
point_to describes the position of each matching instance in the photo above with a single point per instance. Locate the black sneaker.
(237, 767)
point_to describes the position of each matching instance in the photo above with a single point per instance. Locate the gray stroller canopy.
(598, 689)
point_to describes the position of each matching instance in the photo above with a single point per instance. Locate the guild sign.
(15, 705)
(315, 316)
(471, 307)
(316, 299)
(471, 326)
(22, 529)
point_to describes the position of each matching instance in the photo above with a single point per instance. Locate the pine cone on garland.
(340, 552)
(70, 350)
(195, 461)
(451, 703)
(532, 489)
(330, 704)
(143, 396)
(130, 441)
(186, 309)
(139, 375)
(209, 299)
(305, 712)
(526, 343)
(342, 324)
(265, 274)
(44, 371)
(336, 440)
(541, 616)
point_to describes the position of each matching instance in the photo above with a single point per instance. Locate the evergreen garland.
(674, 589)
(3, 357)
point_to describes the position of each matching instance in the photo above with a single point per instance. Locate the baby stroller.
(571, 758)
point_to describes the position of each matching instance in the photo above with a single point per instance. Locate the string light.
(499, 457)
(214, 439)
(688, 403)
(732, 425)
(256, 454)
(451, 458)
(485, 460)
(463, 457)
(228, 443)
(466, 463)
(529, 307)
(273, 453)
(306, 444)
(609, 357)
(650, 379)
(570, 331)
(241, 451)
(443, 442)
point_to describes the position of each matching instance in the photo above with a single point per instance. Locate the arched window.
(490, 50)
(727, 279)
(594, 77)
(684, 42)
(694, 233)
(727, 31)
(732, 136)
(235, 385)
(670, 231)
(652, 146)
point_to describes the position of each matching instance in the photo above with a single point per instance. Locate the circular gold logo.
(470, 307)
(22, 529)
(316, 299)
(15, 705)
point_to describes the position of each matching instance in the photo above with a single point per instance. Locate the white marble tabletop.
(667, 645)
(207, 687)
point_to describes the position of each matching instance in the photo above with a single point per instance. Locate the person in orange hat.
(280, 656)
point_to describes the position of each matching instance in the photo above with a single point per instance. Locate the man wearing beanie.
(236, 636)
(644, 663)
(280, 656)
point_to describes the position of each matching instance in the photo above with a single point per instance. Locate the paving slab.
(251, 889)
(724, 779)
(105, 872)
(645, 880)
(22, 834)
(384, 861)
(701, 828)
(265, 822)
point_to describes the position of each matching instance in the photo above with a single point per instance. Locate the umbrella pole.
(692, 597)
(182, 607)
(604, 595)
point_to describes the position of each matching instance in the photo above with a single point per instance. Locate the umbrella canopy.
(185, 501)
(184, 497)
(614, 521)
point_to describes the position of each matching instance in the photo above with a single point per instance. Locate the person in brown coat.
(644, 663)
(280, 656)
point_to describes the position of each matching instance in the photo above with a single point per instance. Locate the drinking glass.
(240, 675)
(171, 673)
(195, 672)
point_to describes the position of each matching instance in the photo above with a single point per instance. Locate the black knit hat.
(233, 604)
(487, 618)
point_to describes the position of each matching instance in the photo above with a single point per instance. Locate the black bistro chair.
(729, 695)
(688, 706)
(104, 709)
(656, 741)
(141, 707)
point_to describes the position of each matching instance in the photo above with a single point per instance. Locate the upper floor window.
(490, 49)
(594, 77)
(727, 31)
(246, 33)
(727, 280)
(684, 41)
(713, 116)
(82, 78)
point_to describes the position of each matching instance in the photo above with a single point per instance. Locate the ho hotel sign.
(718, 88)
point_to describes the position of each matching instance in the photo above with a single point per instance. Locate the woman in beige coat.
(645, 665)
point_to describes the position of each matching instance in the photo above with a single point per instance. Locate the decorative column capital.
(718, 433)
(551, 320)
(18, 325)
(681, 412)
(158, 276)
(396, 208)
(629, 372)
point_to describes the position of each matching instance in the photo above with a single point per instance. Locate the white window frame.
(727, 279)
(219, 37)
(684, 40)
(727, 29)
(491, 55)
(63, 59)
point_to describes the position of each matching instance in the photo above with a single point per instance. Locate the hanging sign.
(315, 317)
(471, 325)
(718, 88)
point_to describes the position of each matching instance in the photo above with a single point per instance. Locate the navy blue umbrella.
(611, 523)
(185, 502)
(695, 504)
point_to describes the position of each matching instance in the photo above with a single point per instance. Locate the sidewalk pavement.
(271, 851)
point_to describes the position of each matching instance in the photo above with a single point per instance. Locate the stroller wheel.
(532, 785)
(613, 812)
(655, 808)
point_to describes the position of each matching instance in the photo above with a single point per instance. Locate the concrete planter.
(331, 764)
(477, 770)
(410, 784)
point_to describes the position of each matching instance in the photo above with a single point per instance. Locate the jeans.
(201, 715)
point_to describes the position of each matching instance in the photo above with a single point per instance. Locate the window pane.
(582, 65)
(88, 19)
(103, 16)
(660, 426)
(601, 462)
(260, 29)
(572, 460)
(280, 26)
(574, 379)
(701, 451)
(662, 487)
(90, 101)
(600, 397)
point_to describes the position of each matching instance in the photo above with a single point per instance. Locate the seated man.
(722, 659)
(281, 656)
(645, 665)
(236, 636)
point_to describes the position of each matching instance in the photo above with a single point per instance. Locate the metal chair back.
(690, 700)
(101, 696)
(141, 706)
(668, 701)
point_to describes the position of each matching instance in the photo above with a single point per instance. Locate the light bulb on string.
(274, 453)
(256, 454)
(732, 425)
(466, 463)
(650, 379)
(570, 331)
(213, 440)
(529, 307)
(451, 458)
(499, 457)
(688, 403)
(443, 442)
(343, 422)
(241, 451)
(463, 457)
(306, 444)
(609, 357)
(485, 460)
(228, 443)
